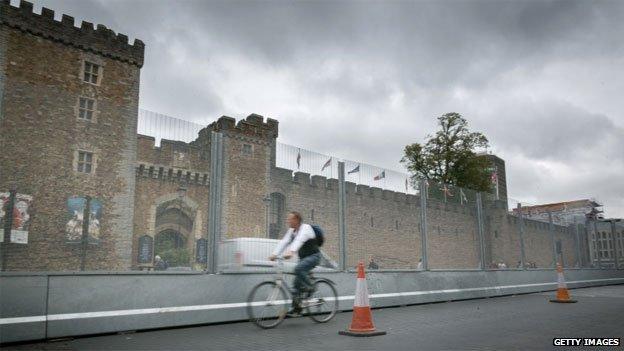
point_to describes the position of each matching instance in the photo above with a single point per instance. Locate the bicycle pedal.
(313, 302)
(293, 314)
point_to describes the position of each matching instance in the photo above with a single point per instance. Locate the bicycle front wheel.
(323, 304)
(267, 305)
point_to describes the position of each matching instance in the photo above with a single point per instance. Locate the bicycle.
(268, 302)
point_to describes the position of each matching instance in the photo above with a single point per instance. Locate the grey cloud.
(421, 50)
(558, 131)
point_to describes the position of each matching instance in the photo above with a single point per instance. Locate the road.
(522, 322)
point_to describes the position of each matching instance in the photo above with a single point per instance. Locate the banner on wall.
(146, 250)
(21, 217)
(75, 211)
(201, 250)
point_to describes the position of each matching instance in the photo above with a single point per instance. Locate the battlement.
(362, 189)
(172, 174)
(172, 153)
(541, 225)
(376, 192)
(350, 187)
(302, 178)
(322, 184)
(319, 181)
(100, 40)
(252, 126)
(165, 144)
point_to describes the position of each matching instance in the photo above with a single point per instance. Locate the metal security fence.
(162, 126)
(213, 202)
(298, 159)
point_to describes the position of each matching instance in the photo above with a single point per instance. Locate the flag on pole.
(355, 170)
(447, 192)
(494, 179)
(298, 158)
(381, 175)
(462, 196)
(327, 164)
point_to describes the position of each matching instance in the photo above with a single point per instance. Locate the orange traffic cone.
(562, 289)
(362, 322)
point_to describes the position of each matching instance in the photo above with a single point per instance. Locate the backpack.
(320, 236)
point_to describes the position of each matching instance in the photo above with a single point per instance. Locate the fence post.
(86, 214)
(481, 231)
(267, 204)
(521, 234)
(598, 239)
(341, 216)
(423, 223)
(589, 252)
(8, 224)
(214, 207)
(551, 230)
(615, 248)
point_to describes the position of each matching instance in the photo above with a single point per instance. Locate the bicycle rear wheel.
(323, 304)
(267, 304)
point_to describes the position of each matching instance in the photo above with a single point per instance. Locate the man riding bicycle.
(299, 238)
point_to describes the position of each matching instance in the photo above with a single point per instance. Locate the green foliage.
(171, 247)
(176, 257)
(449, 157)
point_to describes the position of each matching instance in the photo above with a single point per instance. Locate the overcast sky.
(543, 80)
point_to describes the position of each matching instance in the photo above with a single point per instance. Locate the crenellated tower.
(68, 122)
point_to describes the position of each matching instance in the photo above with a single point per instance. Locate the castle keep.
(68, 133)
(68, 129)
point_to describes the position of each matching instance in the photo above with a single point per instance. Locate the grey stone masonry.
(99, 40)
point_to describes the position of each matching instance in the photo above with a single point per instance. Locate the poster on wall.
(146, 250)
(73, 227)
(201, 250)
(21, 217)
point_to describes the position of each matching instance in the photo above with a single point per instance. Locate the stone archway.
(175, 222)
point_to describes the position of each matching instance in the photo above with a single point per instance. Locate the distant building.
(564, 213)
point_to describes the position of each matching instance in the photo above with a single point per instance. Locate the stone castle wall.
(40, 73)
(41, 64)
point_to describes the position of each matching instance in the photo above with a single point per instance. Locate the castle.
(69, 144)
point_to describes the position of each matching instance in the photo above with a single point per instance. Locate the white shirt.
(304, 234)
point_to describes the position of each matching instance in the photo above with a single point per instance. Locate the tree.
(449, 156)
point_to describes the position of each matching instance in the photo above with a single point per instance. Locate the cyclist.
(299, 238)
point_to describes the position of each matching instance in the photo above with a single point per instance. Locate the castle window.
(91, 72)
(86, 108)
(277, 211)
(247, 150)
(85, 162)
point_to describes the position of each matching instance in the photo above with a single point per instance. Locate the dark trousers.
(302, 273)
